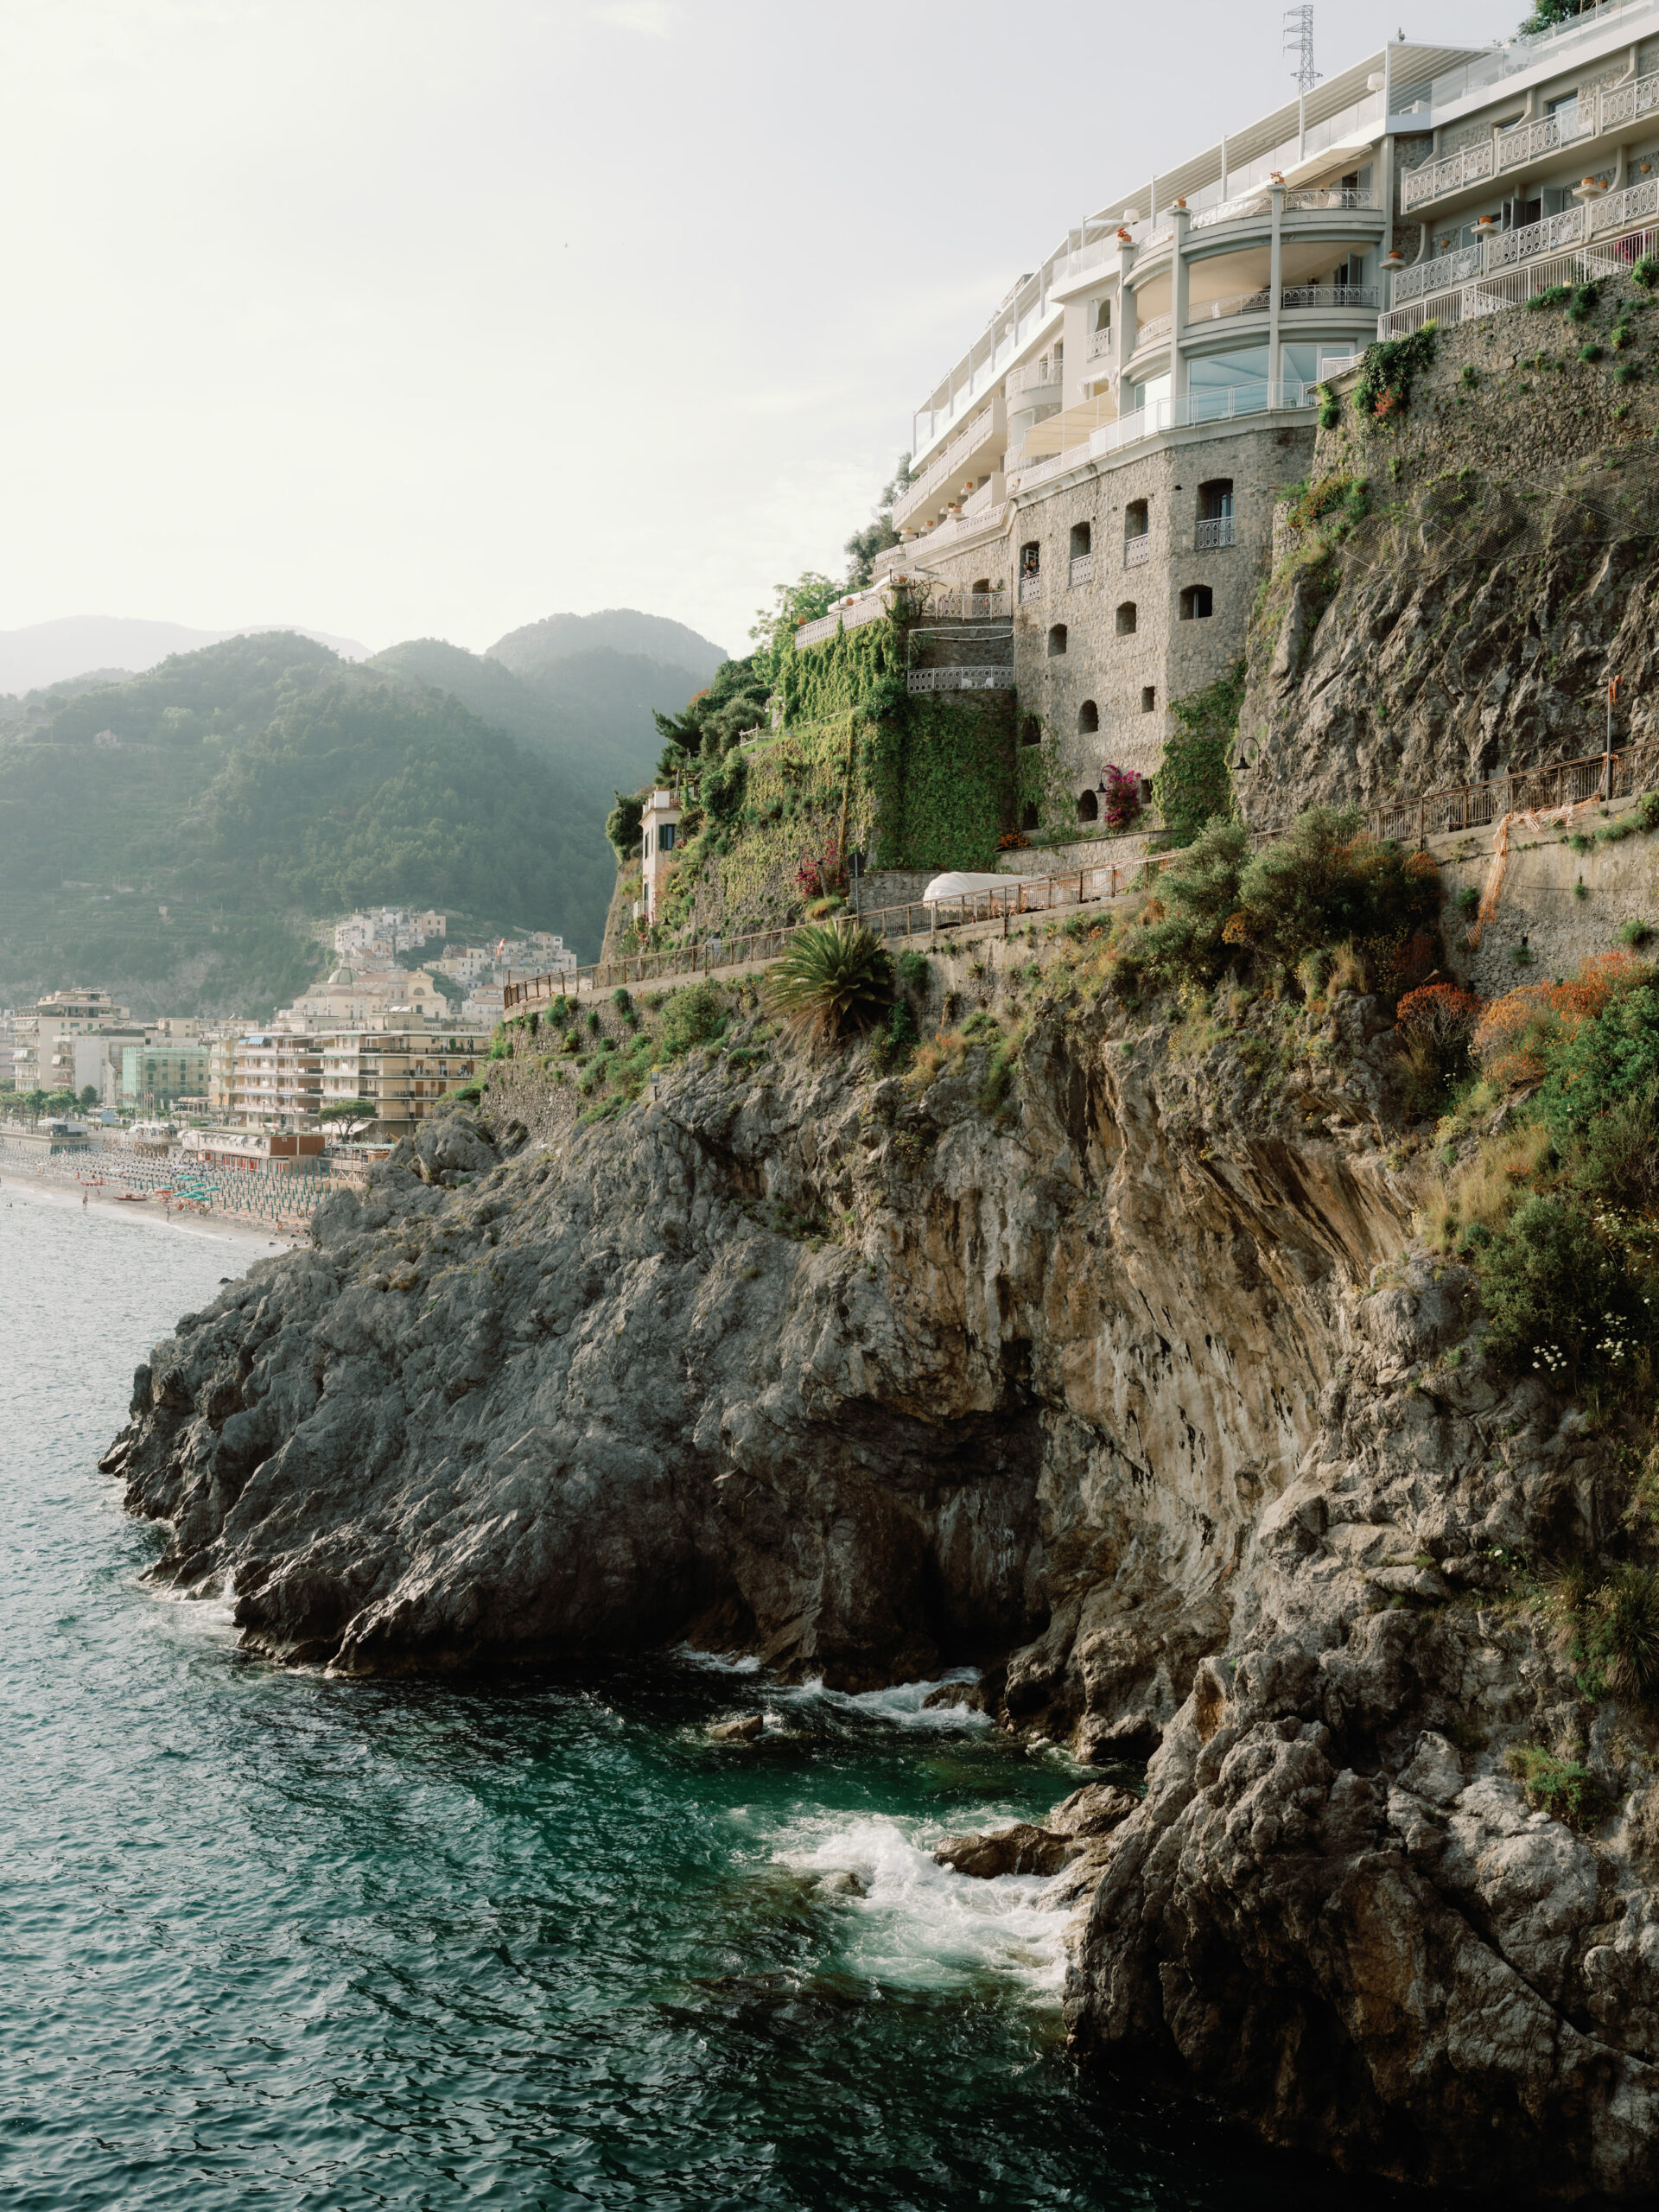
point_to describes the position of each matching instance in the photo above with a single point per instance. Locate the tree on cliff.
(878, 533)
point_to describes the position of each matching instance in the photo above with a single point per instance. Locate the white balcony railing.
(1137, 551)
(1433, 179)
(1329, 295)
(950, 463)
(1152, 333)
(960, 679)
(1100, 341)
(1596, 222)
(1211, 531)
(1034, 375)
(1237, 402)
(1082, 569)
(1591, 115)
(1235, 303)
(1031, 587)
(1347, 198)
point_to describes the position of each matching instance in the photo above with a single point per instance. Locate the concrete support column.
(1178, 290)
(1274, 290)
(1127, 319)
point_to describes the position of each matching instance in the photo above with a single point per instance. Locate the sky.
(425, 319)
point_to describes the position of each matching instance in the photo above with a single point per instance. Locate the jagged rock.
(743, 1730)
(1143, 1393)
(1094, 1810)
(1021, 1849)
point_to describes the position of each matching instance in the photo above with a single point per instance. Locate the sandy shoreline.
(254, 1238)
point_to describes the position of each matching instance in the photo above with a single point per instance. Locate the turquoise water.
(275, 1941)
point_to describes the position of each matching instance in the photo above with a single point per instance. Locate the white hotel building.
(1103, 458)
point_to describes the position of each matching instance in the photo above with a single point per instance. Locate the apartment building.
(44, 1038)
(156, 1076)
(1095, 473)
(276, 1079)
(399, 1074)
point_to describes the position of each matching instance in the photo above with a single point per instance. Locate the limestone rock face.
(1139, 1399)
(1465, 626)
(1021, 1849)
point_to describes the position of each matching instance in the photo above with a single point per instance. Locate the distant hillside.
(588, 712)
(622, 630)
(48, 653)
(252, 785)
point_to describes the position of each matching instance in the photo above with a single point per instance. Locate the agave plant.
(833, 979)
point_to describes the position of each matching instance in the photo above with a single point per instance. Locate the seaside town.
(250, 1119)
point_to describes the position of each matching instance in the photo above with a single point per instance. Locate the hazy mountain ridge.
(46, 653)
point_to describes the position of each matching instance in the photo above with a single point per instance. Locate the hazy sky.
(416, 318)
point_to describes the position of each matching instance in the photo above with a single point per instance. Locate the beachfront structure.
(41, 1060)
(277, 1079)
(1098, 468)
(160, 1075)
(398, 1073)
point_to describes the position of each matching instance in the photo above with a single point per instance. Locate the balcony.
(1082, 569)
(1137, 551)
(1598, 221)
(1031, 587)
(989, 425)
(1213, 531)
(1153, 332)
(1100, 344)
(1236, 303)
(1591, 117)
(1295, 296)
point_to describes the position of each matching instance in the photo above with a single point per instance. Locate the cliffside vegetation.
(1469, 561)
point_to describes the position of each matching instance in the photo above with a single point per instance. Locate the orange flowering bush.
(1441, 1013)
(1516, 1034)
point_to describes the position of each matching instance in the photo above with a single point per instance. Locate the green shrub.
(1589, 353)
(1646, 272)
(1555, 296)
(1469, 376)
(1556, 1786)
(1647, 811)
(595, 1023)
(620, 1001)
(1582, 305)
(895, 1040)
(690, 1017)
(914, 971)
(1330, 408)
(1469, 901)
(1625, 1632)
(1613, 1057)
(1635, 934)
(1388, 368)
(1626, 372)
(833, 979)
(622, 826)
(1553, 1292)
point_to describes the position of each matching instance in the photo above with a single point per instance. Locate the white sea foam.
(718, 1662)
(903, 1705)
(923, 1925)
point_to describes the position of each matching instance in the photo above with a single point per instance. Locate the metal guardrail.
(1210, 532)
(1433, 814)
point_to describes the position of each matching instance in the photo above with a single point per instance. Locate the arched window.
(1057, 641)
(1126, 619)
(980, 583)
(1030, 554)
(1137, 520)
(1028, 818)
(1087, 718)
(1081, 539)
(1030, 729)
(1088, 807)
(1215, 513)
(1197, 602)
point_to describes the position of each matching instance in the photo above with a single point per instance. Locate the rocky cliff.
(1126, 1386)
(1482, 563)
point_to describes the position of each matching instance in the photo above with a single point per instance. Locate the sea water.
(272, 1939)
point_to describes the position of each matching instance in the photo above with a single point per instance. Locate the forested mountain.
(169, 835)
(623, 630)
(50, 653)
(590, 711)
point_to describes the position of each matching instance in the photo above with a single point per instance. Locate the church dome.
(339, 975)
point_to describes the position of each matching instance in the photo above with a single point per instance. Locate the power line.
(1299, 44)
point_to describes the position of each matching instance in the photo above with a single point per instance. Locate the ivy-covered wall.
(921, 780)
